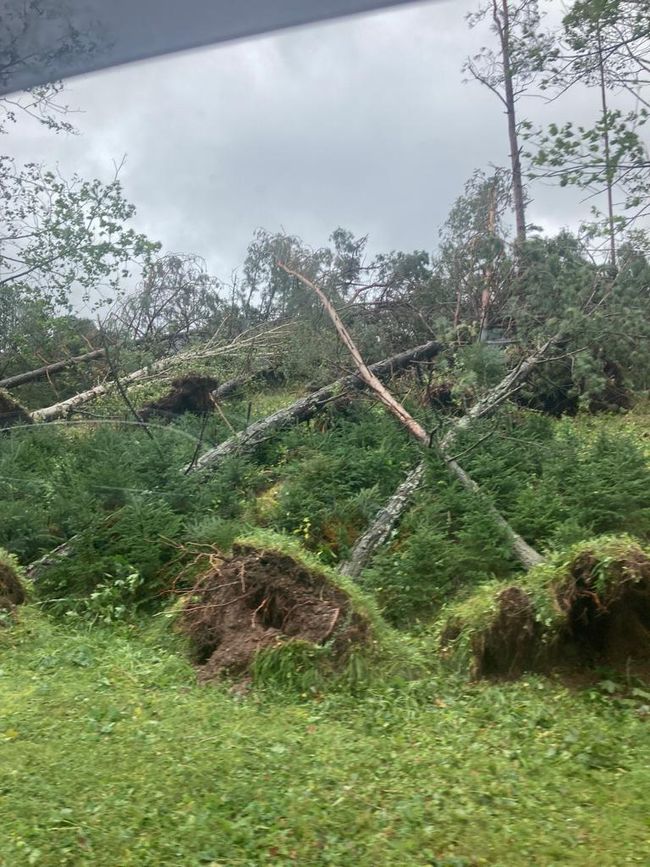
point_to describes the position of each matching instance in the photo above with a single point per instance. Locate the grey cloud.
(363, 123)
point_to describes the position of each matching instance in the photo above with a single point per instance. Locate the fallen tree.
(306, 407)
(389, 515)
(526, 555)
(50, 369)
(65, 407)
(384, 521)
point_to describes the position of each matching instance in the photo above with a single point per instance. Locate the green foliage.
(332, 481)
(59, 233)
(10, 560)
(445, 542)
(115, 565)
(557, 483)
(479, 366)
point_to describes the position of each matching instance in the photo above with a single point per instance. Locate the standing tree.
(604, 46)
(60, 241)
(509, 71)
(473, 258)
(176, 299)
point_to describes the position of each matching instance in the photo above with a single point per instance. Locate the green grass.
(111, 755)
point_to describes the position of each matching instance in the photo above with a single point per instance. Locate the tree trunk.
(382, 525)
(306, 407)
(503, 28)
(522, 550)
(232, 386)
(608, 162)
(65, 407)
(49, 369)
(389, 515)
(35, 569)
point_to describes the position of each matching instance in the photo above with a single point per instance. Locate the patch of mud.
(258, 598)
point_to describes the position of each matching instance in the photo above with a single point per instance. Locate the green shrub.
(114, 566)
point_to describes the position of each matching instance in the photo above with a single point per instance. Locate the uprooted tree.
(521, 549)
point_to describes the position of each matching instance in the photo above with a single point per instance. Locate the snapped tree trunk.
(50, 369)
(307, 407)
(526, 555)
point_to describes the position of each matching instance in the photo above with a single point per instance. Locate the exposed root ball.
(11, 589)
(11, 412)
(591, 611)
(508, 645)
(606, 606)
(191, 393)
(258, 598)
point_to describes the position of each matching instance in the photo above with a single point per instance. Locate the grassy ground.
(111, 755)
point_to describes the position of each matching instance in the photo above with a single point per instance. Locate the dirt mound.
(11, 412)
(259, 598)
(190, 393)
(507, 647)
(592, 611)
(11, 590)
(606, 607)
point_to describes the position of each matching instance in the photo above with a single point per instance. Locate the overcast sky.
(363, 123)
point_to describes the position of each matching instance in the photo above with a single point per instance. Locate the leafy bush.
(337, 478)
(115, 565)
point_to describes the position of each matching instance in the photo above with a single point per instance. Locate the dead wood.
(11, 412)
(306, 407)
(527, 555)
(50, 369)
(64, 408)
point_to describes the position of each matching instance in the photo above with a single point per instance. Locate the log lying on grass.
(50, 369)
(587, 607)
(306, 407)
(389, 515)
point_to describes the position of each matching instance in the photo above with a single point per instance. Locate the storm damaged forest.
(343, 558)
